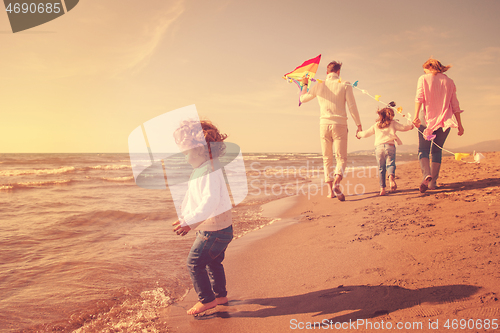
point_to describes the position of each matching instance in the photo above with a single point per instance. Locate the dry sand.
(406, 259)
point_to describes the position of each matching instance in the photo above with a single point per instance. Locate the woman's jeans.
(386, 160)
(205, 263)
(424, 146)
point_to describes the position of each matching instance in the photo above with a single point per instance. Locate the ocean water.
(84, 248)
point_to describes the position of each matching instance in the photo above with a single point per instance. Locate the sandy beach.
(407, 261)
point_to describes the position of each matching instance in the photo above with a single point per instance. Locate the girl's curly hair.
(189, 136)
(385, 117)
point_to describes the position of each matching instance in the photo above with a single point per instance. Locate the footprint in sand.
(490, 313)
(423, 311)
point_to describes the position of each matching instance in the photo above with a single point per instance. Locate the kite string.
(378, 100)
(434, 143)
(375, 98)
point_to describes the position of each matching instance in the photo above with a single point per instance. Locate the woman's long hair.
(435, 66)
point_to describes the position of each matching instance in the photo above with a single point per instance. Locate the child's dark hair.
(385, 117)
(188, 136)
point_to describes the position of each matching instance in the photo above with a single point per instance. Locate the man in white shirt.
(333, 94)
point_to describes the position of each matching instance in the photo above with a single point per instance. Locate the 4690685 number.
(471, 324)
(33, 8)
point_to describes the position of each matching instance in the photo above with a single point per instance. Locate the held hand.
(305, 80)
(460, 130)
(182, 231)
(417, 122)
(359, 130)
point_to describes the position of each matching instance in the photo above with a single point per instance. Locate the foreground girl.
(206, 208)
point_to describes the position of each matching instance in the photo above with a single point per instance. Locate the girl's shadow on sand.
(363, 301)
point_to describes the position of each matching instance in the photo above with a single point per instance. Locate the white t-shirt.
(207, 205)
(385, 135)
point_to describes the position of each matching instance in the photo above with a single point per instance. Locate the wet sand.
(408, 260)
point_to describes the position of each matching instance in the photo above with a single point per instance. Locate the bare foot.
(330, 190)
(339, 193)
(425, 184)
(392, 183)
(382, 191)
(222, 300)
(200, 307)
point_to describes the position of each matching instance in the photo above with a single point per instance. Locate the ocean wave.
(310, 154)
(119, 179)
(290, 171)
(263, 159)
(282, 157)
(10, 173)
(114, 216)
(142, 312)
(28, 185)
(110, 167)
(254, 157)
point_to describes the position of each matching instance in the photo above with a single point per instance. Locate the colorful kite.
(308, 68)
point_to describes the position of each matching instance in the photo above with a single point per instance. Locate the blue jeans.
(386, 161)
(424, 146)
(205, 263)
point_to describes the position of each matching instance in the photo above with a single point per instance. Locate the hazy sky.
(83, 82)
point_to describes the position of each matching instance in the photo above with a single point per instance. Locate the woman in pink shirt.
(437, 93)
